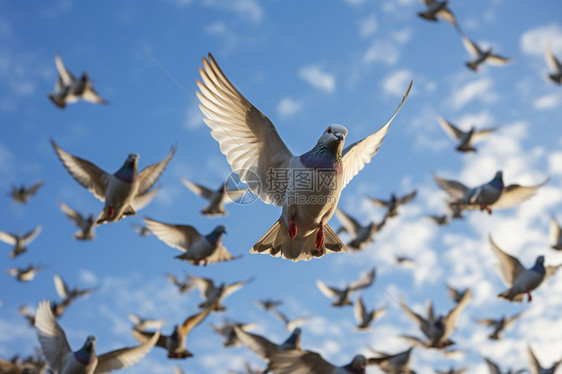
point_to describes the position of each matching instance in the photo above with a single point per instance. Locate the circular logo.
(239, 192)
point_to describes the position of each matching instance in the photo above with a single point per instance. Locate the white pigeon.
(263, 347)
(555, 237)
(554, 64)
(498, 324)
(25, 274)
(19, 241)
(398, 363)
(69, 89)
(212, 294)
(87, 225)
(537, 368)
(197, 249)
(438, 9)
(361, 235)
(437, 330)
(61, 358)
(342, 295)
(308, 362)
(365, 317)
(489, 196)
(495, 369)
(22, 194)
(465, 138)
(143, 324)
(290, 324)
(308, 186)
(520, 281)
(123, 192)
(394, 202)
(481, 56)
(217, 198)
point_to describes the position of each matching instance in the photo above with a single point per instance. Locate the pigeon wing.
(365, 280)
(260, 345)
(73, 215)
(454, 132)
(198, 189)
(51, 336)
(298, 362)
(125, 357)
(60, 286)
(348, 222)
(66, 77)
(194, 320)
(471, 47)
(515, 194)
(150, 174)
(454, 314)
(509, 267)
(142, 200)
(177, 236)
(551, 60)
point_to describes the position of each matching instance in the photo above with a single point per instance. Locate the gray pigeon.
(25, 274)
(212, 294)
(308, 186)
(67, 295)
(19, 241)
(290, 324)
(495, 369)
(217, 199)
(455, 294)
(22, 194)
(554, 64)
(481, 56)
(263, 347)
(123, 192)
(197, 249)
(465, 138)
(365, 317)
(394, 202)
(268, 304)
(308, 362)
(183, 286)
(452, 371)
(520, 281)
(438, 9)
(61, 358)
(361, 235)
(537, 368)
(86, 225)
(498, 324)
(442, 220)
(398, 363)
(555, 237)
(342, 295)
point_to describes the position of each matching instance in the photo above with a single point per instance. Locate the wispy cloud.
(288, 107)
(318, 78)
(546, 102)
(381, 51)
(248, 9)
(481, 89)
(368, 26)
(533, 42)
(397, 85)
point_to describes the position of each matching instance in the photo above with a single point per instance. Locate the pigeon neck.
(497, 182)
(353, 370)
(215, 238)
(128, 172)
(324, 156)
(539, 268)
(86, 355)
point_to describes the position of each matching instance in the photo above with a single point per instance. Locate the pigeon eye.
(329, 130)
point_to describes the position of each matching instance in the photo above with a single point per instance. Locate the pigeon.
(214, 295)
(290, 324)
(465, 138)
(227, 330)
(362, 235)
(68, 295)
(86, 225)
(554, 65)
(452, 371)
(69, 89)
(342, 295)
(363, 317)
(19, 241)
(536, 367)
(498, 324)
(437, 330)
(398, 363)
(174, 344)
(438, 9)
(141, 230)
(394, 202)
(22, 194)
(61, 358)
(555, 237)
(455, 294)
(308, 362)
(308, 186)
(29, 316)
(124, 192)
(481, 56)
(197, 249)
(268, 304)
(404, 260)
(25, 274)
(217, 199)
(183, 286)
(520, 280)
(495, 369)
(143, 324)
(490, 196)
(28, 365)
(442, 220)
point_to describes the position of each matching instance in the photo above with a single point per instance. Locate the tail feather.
(507, 294)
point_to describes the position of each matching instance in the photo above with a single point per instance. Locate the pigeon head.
(539, 265)
(334, 135)
(327, 152)
(86, 354)
(128, 171)
(357, 365)
(215, 237)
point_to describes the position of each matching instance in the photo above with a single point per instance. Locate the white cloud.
(533, 42)
(317, 78)
(550, 101)
(398, 83)
(480, 89)
(381, 51)
(193, 118)
(368, 26)
(288, 107)
(555, 163)
(248, 9)
(88, 277)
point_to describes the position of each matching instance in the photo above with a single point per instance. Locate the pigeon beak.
(339, 136)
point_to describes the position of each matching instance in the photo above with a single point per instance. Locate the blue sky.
(305, 65)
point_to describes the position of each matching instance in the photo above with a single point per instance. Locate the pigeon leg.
(320, 237)
(292, 228)
(529, 297)
(111, 212)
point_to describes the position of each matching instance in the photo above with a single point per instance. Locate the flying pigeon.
(143, 324)
(29, 316)
(555, 237)
(256, 152)
(495, 369)
(69, 89)
(404, 260)
(363, 317)
(28, 365)
(452, 371)
(61, 358)
(362, 235)
(227, 330)
(174, 344)
(86, 225)
(247, 370)
(455, 294)
(481, 56)
(438, 9)
(22, 194)
(342, 295)
(490, 196)
(554, 65)
(290, 324)
(442, 220)
(308, 362)
(67, 295)
(183, 286)
(214, 295)
(19, 241)
(141, 230)
(217, 199)
(465, 138)
(197, 249)
(394, 202)
(498, 324)
(520, 281)
(398, 363)
(536, 367)
(124, 192)
(437, 330)
(25, 274)
(268, 304)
